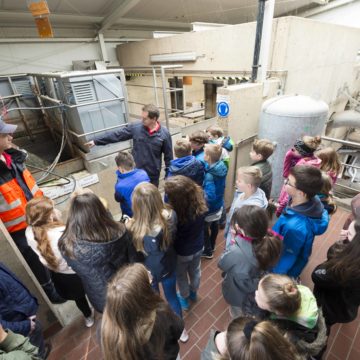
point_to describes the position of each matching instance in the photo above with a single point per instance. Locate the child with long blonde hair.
(43, 234)
(301, 154)
(330, 162)
(137, 323)
(153, 229)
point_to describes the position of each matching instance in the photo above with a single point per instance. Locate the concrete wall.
(319, 57)
(223, 48)
(347, 15)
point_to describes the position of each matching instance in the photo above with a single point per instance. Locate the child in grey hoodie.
(247, 193)
(255, 250)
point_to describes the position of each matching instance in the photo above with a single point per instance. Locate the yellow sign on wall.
(38, 8)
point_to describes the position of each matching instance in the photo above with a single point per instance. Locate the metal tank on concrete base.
(284, 119)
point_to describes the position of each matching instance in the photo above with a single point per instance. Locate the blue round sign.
(223, 108)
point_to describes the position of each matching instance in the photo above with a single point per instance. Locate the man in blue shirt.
(150, 141)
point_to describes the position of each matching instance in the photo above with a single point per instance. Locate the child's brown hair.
(182, 148)
(312, 142)
(329, 160)
(263, 147)
(215, 130)
(282, 294)
(125, 160)
(199, 137)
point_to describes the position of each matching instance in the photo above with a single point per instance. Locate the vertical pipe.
(266, 39)
(125, 94)
(163, 80)
(104, 55)
(155, 86)
(259, 25)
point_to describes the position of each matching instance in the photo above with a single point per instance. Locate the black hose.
(259, 27)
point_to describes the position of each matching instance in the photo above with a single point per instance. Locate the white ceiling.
(143, 14)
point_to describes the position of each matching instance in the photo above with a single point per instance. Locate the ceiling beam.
(153, 23)
(25, 18)
(13, 16)
(119, 12)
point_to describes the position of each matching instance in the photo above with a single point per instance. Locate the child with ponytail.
(301, 154)
(293, 308)
(250, 339)
(255, 250)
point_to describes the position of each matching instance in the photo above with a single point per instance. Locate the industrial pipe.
(348, 118)
(259, 26)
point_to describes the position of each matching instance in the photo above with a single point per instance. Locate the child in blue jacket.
(185, 163)
(127, 178)
(214, 188)
(303, 219)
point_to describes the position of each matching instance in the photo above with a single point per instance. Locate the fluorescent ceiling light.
(182, 56)
(201, 26)
(162, 34)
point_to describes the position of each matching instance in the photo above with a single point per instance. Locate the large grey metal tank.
(284, 119)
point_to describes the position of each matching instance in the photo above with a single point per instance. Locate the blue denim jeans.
(169, 287)
(188, 268)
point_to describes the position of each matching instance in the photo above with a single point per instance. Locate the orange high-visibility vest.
(12, 197)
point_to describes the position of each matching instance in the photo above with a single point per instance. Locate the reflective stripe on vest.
(14, 222)
(4, 206)
(35, 189)
(13, 202)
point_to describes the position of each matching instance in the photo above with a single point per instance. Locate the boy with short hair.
(198, 139)
(303, 218)
(214, 187)
(216, 136)
(185, 163)
(261, 150)
(127, 178)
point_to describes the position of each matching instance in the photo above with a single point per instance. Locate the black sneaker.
(207, 255)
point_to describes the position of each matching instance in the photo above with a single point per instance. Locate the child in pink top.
(301, 154)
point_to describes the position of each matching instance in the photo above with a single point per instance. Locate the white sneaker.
(184, 336)
(89, 321)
